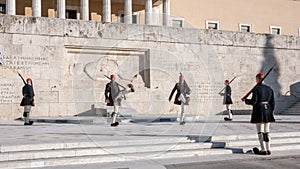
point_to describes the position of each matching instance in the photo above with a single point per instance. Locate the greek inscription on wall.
(25, 62)
(168, 66)
(205, 91)
(8, 93)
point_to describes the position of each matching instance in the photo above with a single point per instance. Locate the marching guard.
(181, 97)
(27, 100)
(227, 100)
(262, 114)
(114, 95)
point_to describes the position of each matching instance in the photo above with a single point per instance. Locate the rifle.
(243, 98)
(117, 83)
(1, 59)
(22, 78)
(228, 83)
(131, 80)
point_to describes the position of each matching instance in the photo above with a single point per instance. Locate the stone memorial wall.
(67, 60)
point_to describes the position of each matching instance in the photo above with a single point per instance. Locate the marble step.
(247, 136)
(81, 152)
(110, 158)
(274, 148)
(95, 144)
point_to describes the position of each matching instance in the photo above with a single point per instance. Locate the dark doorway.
(3, 8)
(71, 14)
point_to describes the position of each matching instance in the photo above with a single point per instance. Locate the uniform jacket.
(263, 104)
(28, 96)
(181, 89)
(112, 90)
(227, 95)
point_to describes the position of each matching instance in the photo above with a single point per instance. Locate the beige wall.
(259, 13)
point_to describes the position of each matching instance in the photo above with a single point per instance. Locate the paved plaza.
(132, 137)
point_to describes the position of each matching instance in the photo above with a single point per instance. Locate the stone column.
(166, 13)
(61, 9)
(128, 11)
(155, 16)
(106, 11)
(11, 7)
(84, 9)
(36, 8)
(148, 12)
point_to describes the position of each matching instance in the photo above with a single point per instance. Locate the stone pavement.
(17, 137)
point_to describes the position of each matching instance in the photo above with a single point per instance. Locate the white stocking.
(260, 136)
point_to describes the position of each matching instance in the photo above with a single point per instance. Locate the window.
(71, 14)
(135, 17)
(121, 18)
(275, 30)
(177, 22)
(245, 28)
(212, 25)
(3, 8)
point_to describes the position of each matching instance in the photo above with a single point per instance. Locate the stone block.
(275, 41)
(5, 38)
(49, 73)
(42, 109)
(216, 37)
(71, 109)
(57, 41)
(71, 28)
(21, 39)
(293, 42)
(31, 51)
(245, 39)
(151, 33)
(55, 26)
(89, 29)
(50, 53)
(2, 26)
(66, 95)
(171, 34)
(193, 36)
(13, 24)
(136, 32)
(7, 111)
(114, 31)
(57, 109)
(36, 25)
(48, 97)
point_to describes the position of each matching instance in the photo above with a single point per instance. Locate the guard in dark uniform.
(227, 100)
(262, 114)
(181, 97)
(27, 100)
(114, 95)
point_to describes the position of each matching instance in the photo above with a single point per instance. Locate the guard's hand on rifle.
(131, 87)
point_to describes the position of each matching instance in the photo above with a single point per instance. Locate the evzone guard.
(114, 95)
(227, 99)
(262, 113)
(27, 100)
(181, 97)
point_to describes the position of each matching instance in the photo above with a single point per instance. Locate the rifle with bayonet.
(228, 83)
